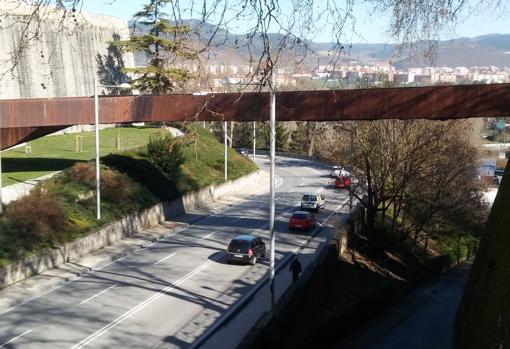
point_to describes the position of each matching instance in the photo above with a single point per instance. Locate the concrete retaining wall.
(127, 226)
(62, 60)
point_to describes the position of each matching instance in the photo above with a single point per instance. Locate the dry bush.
(115, 186)
(38, 215)
(83, 172)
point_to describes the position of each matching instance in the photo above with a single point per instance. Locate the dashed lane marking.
(98, 294)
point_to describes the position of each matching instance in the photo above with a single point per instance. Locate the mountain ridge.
(228, 47)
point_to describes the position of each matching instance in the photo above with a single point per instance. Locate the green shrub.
(453, 246)
(145, 173)
(165, 152)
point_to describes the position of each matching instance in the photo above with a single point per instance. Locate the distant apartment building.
(360, 75)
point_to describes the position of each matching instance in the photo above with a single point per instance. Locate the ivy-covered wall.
(483, 319)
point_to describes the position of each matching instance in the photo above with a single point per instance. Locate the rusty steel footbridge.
(22, 120)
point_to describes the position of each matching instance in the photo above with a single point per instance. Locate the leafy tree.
(110, 68)
(419, 174)
(299, 140)
(282, 137)
(162, 42)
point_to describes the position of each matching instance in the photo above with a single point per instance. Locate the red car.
(342, 182)
(301, 220)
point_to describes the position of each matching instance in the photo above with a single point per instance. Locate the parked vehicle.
(246, 249)
(302, 220)
(313, 202)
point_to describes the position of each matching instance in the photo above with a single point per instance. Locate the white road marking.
(276, 179)
(335, 211)
(8, 310)
(13, 339)
(154, 297)
(164, 259)
(98, 294)
(143, 304)
(205, 237)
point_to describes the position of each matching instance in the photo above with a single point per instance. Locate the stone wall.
(127, 226)
(62, 60)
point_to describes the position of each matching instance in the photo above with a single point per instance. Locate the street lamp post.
(225, 136)
(1, 203)
(96, 122)
(351, 151)
(272, 119)
(254, 139)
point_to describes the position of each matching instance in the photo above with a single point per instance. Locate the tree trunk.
(310, 133)
(371, 209)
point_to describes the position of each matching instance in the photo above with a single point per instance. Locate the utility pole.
(225, 136)
(1, 204)
(96, 122)
(254, 138)
(351, 151)
(98, 181)
(272, 119)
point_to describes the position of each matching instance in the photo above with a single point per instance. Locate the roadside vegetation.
(421, 212)
(419, 176)
(345, 291)
(64, 208)
(483, 319)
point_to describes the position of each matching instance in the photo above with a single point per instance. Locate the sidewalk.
(423, 320)
(16, 191)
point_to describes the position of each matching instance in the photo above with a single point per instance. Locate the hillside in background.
(487, 50)
(227, 47)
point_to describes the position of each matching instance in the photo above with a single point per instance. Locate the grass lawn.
(55, 153)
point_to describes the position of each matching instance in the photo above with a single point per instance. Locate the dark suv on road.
(246, 248)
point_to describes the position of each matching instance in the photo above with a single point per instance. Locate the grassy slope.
(483, 320)
(204, 162)
(55, 153)
(202, 165)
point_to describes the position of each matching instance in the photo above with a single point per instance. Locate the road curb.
(267, 316)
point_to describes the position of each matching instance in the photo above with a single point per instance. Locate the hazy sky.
(370, 29)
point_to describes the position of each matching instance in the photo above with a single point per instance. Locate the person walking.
(295, 268)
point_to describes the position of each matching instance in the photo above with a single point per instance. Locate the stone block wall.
(114, 232)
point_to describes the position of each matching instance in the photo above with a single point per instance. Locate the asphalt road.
(173, 290)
